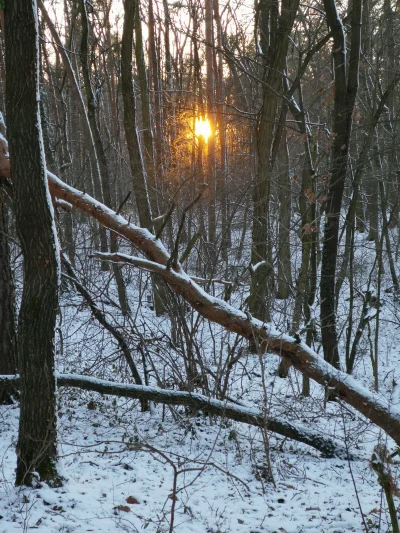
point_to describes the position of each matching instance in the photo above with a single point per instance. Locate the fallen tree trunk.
(229, 410)
(375, 408)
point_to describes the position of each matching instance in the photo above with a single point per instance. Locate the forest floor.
(120, 465)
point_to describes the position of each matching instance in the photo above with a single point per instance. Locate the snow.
(4, 140)
(104, 466)
(370, 313)
(103, 472)
(255, 267)
(111, 455)
(113, 452)
(316, 362)
(140, 232)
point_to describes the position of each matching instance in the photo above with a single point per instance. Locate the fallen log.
(373, 406)
(229, 410)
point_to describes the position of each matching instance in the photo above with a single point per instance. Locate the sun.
(202, 128)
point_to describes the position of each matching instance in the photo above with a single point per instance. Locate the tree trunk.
(155, 84)
(373, 407)
(228, 410)
(88, 136)
(346, 87)
(101, 156)
(285, 211)
(8, 337)
(210, 177)
(132, 139)
(222, 175)
(261, 246)
(36, 449)
(147, 134)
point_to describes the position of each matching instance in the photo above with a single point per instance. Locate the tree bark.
(147, 134)
(88, 136)
(8, 335)
(36, 448)
(261, 247)
(210, 93)
(98, 146)
(138, 176)
(132, 139)
(285, 209)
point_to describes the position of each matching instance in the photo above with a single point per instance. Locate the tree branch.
(373, 406)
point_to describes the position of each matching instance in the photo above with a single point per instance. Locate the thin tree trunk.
(132, 139)
(285, 209)
(88, 136)
(99, 148)
(261, 252)
(8, 337)
(155, 84)
(221, 178)
(346, 87)
(370, 187)
(149, 162)
(210, 93)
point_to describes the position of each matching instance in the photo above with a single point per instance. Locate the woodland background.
(280, 224)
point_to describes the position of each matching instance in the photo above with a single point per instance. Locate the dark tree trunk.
(147, 134)
(346, 86)
(138, 177)
(36, 447)
(8, 344)
(88, 136)
(285, 208)
(99, 148)
(210, 93)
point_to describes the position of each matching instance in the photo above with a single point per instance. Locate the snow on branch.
(229, 410)
(373, 406)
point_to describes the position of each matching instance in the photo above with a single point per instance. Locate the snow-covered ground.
(119, 468)
(173, 470)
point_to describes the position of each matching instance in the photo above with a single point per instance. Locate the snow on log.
(229, 410)
(374, 407)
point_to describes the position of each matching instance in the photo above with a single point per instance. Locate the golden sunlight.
(202, 128)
